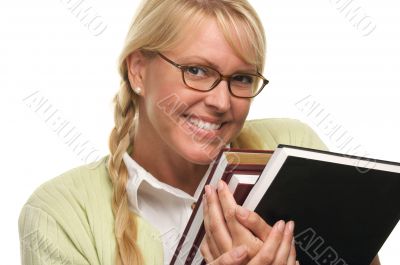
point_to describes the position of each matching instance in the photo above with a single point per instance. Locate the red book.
(234, 166)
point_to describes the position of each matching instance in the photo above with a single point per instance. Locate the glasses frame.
(221, 77)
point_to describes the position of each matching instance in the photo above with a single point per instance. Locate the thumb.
(253, 222)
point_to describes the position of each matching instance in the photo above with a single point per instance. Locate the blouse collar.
(138, 176)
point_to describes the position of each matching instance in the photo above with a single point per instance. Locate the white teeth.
(204, 125)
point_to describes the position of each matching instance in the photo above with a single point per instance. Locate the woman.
(185, 115)
(189, 69)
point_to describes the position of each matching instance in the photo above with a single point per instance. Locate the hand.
(224, 231)
(275, 251)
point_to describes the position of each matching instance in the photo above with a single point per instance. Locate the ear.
(136, 66)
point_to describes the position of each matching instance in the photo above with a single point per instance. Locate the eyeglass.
(204, 78)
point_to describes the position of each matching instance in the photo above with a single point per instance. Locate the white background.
(313, 50)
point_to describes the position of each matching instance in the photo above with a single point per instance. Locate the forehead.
(207, 40)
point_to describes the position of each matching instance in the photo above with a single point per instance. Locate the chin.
(200, 154)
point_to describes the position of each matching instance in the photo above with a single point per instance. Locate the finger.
(216, 225)
(253, 222)
(292, 256)
(235, 256)
(267, 253)
(205, 252)
(282, 255)
(239, 233)
(213, 247)
(228, 205)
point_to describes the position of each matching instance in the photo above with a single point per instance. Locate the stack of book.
(344, 207)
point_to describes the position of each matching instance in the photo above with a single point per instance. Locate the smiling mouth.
(202, 124)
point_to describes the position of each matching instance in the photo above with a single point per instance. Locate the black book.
(344, 207)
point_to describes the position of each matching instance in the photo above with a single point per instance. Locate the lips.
(202, 128)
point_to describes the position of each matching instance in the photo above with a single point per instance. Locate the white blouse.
(165, 207)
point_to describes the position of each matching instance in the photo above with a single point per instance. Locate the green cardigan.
(68, 220)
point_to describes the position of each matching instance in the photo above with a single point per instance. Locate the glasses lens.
(203, 78)
(199, 77)
(246, 85)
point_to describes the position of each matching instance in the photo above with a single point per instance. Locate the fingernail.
(280, 226)
(243, 212)
(204, 202)
(239, 252)
(297, 262)
(208, 191)
(220, 185)
(290, 227)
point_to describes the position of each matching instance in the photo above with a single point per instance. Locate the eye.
(243, 79)
(197, 71)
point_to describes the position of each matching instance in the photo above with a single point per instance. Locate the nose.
(219, 97)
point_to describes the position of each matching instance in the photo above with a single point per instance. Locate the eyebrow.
(216, 67)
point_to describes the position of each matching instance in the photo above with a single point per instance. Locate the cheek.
(240, 110)
(164, 99)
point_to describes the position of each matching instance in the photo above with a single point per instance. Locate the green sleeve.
(44, 241)
(69, 220)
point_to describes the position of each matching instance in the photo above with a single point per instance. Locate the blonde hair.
(159, 25)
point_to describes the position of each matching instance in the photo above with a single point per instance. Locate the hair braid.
(127, 250)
